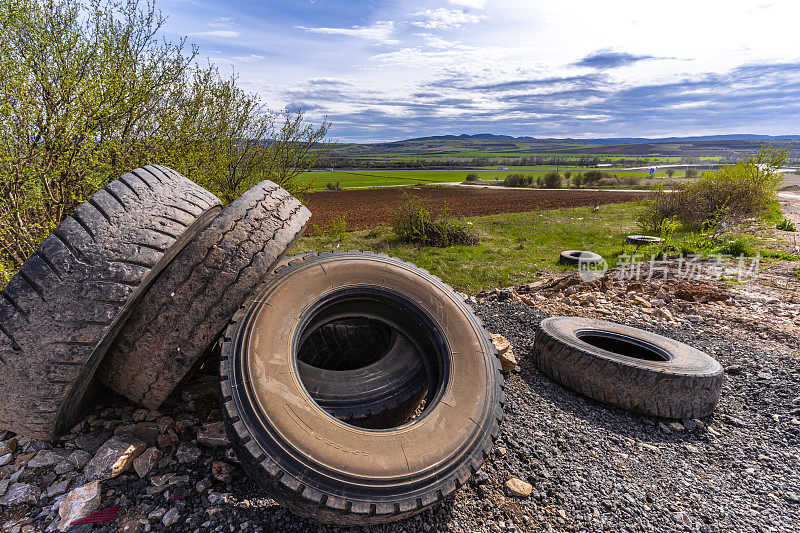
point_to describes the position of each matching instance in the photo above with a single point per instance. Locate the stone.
(63, 467)
(160, 481)
(675, 426)
(507, 361)
(794, 422)
(8, 446)
(164, 423)
(221, 471)
(157, 514)
(5, 459)
(642, 301)
(113, 458)
(139, 415)
(47, 458)
(186, 453)
(79, 458)
(19, 493)
(665, 313)
(213, 434)
(92, 443)
(147, 461)
(764, 375)
(519, 488)
(57, 488)
(170, 517)
(500, 343)
(735, 421)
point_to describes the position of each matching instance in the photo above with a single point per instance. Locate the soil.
(367, 208)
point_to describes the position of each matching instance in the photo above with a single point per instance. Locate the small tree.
(691, 173)
(552, 180)
(577, 180)
(591, 176)
(670, 172)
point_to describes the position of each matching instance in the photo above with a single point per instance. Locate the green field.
(381, 178)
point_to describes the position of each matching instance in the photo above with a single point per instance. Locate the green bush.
(727, 196)
(552, 180)
(472, 176)
(691, 173)
(736, 247)
(90, 90)
(414, 223)
(333, 186)
(577, 180)
(786, 225)
(518, 180)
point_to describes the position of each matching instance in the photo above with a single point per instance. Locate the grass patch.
(513, 249)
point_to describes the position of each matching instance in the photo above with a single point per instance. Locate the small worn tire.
(190, 304)
(641, 240)
(333, 472)
(575, 257)
(687, 385)
(60, 313)
(382, 394)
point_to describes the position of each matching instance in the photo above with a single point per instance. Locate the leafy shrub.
(591, 176)
(333, 186)
(786, 225)
(338, 227)
(577, 180)
(727, 196)
(691, 173)
(517, 180)
(472, 176)
(552, 180)
(567, 174)
(736, 247)
(414, 223)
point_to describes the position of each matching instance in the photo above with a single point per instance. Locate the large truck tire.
(628, 367)
(320, 467)
(189, 305)
(60, 313)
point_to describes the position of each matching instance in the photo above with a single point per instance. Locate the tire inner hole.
(622, 345)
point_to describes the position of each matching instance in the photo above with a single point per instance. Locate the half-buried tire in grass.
(628, 367)
(331, 471)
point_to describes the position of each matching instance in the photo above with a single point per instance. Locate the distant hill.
(607, 140)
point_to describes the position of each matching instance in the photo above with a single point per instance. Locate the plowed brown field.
(367, 208)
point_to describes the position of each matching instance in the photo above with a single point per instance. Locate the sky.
(389, 70)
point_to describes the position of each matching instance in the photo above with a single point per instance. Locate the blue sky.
(381, 70)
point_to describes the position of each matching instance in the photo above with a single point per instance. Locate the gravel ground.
(592, 467)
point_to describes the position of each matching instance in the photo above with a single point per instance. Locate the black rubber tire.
(575, 257)
(686, 385)
(345, 345)
(641, 240)
(190, 304)
(382, 394)
(60, 313)
(332, 472)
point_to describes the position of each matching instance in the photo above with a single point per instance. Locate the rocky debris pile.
(768, 306)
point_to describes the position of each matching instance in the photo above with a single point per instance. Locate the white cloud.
(226, 34)
(221, 22)
(380, 32)
(444, 19)
(474, 4)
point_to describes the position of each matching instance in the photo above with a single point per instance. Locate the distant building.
(604, 164)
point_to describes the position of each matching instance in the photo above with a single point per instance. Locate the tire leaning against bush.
(59, 314)
(192, 301)
(320, 467)
(382, 394)
(628, 367)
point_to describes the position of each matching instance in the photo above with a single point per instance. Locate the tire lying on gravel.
(334, 472)
(59, 314)
(381, 394)
(192, 301)
(628, 367)
(574, 257)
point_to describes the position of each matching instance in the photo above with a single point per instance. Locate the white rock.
(500, 343)
(187, 453)
(519, 488)
(170, 517)
(507, 361)
(78, 503)
(47, 458)
(113, 458)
